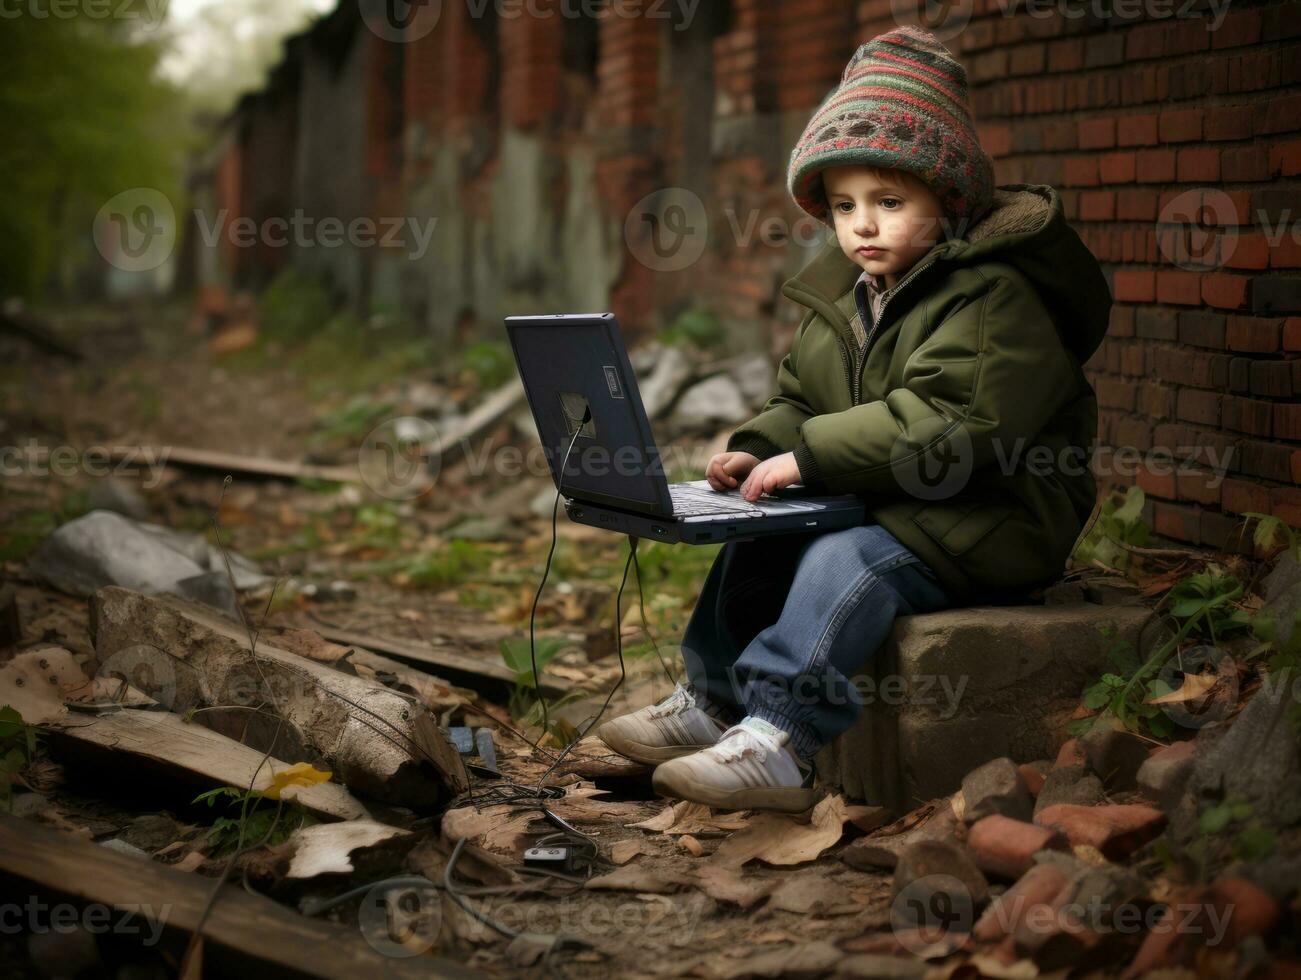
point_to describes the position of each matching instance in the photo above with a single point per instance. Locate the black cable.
(546, 570)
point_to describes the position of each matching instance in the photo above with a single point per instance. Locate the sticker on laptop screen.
(612, 380)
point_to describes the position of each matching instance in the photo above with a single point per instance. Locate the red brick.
(1244, 251)
(1285, 504)
(1285, 159)
(1156, 482)
(1241, 496)
(1287, 422)
(1176, 521)
(1178, 287)
(1097, 206)
(1244, 163)
(1033, 890)
(1225, 291)
(1229, 122)
(1094, 134)
(1248, 415)
(1156, 166)
(1080, 171)
(1003, 846)
(1198, 163)
(1116, 168)
(1180, 125)
(1117, 830)
(1136, 130)
(1292, 333)
(1258, 335)
(1198, 407)
(1192, 915)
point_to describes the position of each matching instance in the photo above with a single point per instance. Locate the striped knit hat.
(902, 104)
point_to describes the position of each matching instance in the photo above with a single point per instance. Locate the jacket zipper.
(856, 378)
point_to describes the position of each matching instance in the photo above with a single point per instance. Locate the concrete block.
(978, 683)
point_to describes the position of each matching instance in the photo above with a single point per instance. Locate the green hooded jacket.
(965, 420)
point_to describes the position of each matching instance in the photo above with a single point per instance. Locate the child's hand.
(725, 469)
(772, 474)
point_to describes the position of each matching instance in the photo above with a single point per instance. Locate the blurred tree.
(85, 116)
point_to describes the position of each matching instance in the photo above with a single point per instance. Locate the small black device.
(585, 402)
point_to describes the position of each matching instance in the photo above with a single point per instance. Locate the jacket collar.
(1017, 212)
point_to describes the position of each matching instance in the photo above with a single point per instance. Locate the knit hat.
(901, 103)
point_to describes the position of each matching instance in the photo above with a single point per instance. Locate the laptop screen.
(574, 367)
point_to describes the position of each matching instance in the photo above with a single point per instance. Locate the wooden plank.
(211, 459)
(244, 932)
(31, 329)
(168, 740)
(483, 417)
(493, 679)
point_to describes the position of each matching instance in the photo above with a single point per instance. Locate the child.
(937, 373)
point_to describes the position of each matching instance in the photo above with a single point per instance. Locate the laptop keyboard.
(694, 501)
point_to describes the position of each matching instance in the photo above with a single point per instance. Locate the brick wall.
(1176, 150)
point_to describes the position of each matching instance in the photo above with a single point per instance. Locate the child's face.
(899, 221)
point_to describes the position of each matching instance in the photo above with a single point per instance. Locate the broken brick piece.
(1033, 889)
(1115, 829)
(1001, 845)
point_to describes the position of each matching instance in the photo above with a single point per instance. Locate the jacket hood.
(1025, 227)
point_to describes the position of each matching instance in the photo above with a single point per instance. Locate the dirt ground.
(149, 380)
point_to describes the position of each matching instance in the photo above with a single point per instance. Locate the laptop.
(581, 389)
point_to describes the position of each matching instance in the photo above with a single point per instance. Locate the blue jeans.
(783, 624)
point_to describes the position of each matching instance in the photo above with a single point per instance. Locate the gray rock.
(119, 497)
(996, 787)
(104, 548)
(1256, 758)
(709, 403)
(122, 847)
(754, 375)
(1283, 596)
(671, 371)
(1069, 784)
(1163, 777)
(1115, 756)
(929, 868)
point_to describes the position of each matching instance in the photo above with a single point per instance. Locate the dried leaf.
(299, 774)
(1194, 688)
(783, 840)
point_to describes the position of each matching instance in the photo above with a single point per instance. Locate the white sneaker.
(659, 732)
(751, 767)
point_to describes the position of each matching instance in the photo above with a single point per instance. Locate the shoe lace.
(738, 740)
(675, 703)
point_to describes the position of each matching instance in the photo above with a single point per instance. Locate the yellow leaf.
(1194, 688)
(301, 774)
